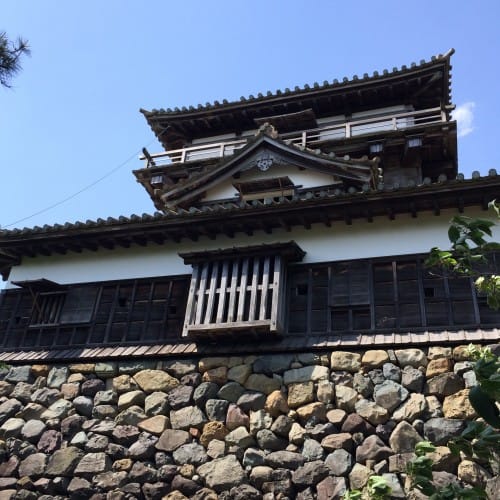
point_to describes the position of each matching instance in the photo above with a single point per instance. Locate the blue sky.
(73, 117)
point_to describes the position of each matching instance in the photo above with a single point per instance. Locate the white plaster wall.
(404, 235)
(305, 178)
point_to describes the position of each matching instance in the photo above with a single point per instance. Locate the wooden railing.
(309, 138)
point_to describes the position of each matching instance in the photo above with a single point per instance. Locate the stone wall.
(299, 426)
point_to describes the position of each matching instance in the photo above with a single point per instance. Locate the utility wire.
(85, 188)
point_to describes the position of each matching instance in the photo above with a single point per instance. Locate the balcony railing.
(307, 138)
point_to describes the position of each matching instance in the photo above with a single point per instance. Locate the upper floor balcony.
(311, 138)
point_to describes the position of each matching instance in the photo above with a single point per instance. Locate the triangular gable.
(264, 151)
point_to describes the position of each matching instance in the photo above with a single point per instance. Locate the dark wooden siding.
(384, 295)
(123, 312)
(371, 296)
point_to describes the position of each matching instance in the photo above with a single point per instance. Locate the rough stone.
(336, 417)
(325, 392)
(358, 477)
(282, 425)
(107, 369)
(339, 462)
(411, 357)
(389, 394)
(440, 430)
(172, 439)
(19, 374)
(444, 385)
(363, 385)
(83, 405)
(391, 372)
(33, 466)
(404, 438)
(331, 488)
(262, 383)
(472, 473)
(179, 368)
(22, 392)
(80, 488)
(50, 441)
(216, 409)
(9, 408)
(312, 450)
(32, 430)
(155, 380)
(231, 392)
(190, 453)
(63, 462)
(204, 392)
(372, 448)
(131, 416)
(11, 428)
(297, 434)
(93, 463)
(284, 459)
(240, 437)
(348, 361)
(312, 412)
(374, 359)
(300, 394)
(251, 401)
(156, 403)
(222, 473)
(436, 352)
(374, 413)
(438, 366)
(458, 406)
(444, 460)
(305, 374)
(216, 375)
(259, 420)
(213, 430)
(57, 376)
(180, 397)
(345, 398)
(154, 425)
(92, 386)
(267, 440)
(216, 448)
(239, 373)
(124, 383)
(310, 473)
(415, 407)
(342, 440)
(355, 423)
(131, 398)
(235, 417)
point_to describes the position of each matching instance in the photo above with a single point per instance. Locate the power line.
(85, 188)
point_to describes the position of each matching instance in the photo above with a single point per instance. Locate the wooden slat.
(222, 292)
(243, 290)
(201, 294)
(211, 292)
(265, 288)
(254, 289)
(191, 303)
(276, 293)
(232, 292)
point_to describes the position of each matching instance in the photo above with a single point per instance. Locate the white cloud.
(464, 115)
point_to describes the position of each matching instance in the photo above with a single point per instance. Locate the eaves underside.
(230, 218)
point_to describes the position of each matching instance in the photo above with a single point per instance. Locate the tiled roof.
(225, 207)
(345, 81)
(286, 344)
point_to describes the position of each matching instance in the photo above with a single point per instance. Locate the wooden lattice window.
(238, 289)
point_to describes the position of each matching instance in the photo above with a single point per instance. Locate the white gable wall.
(305, 178)
(362, 239)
